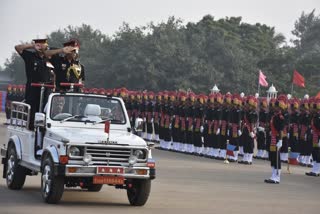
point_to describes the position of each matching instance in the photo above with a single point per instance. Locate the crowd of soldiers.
(225, 127)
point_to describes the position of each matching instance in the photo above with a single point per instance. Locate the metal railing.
(20, 114)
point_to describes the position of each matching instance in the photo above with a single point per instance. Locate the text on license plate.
(108, 180)
(111, 170)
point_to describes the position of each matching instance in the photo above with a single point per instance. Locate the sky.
(24, 20)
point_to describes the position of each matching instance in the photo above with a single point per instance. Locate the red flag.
(298, 79)
(262, 79)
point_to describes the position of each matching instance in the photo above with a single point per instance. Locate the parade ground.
(184, 184)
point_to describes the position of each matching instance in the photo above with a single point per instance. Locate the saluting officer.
(66, 64)
(36, 72)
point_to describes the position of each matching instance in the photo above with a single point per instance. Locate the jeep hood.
(81, 135)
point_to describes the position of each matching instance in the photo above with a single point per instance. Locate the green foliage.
(172, 56)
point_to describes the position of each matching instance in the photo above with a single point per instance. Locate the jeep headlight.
(139, 154)
(87, 158)
(74, 151)
(132, 160)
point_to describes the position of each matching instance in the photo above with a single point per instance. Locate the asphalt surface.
(184, 184)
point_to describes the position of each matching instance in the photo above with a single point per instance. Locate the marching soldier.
(294, 125)
(175, 123)
(189, 121)
(157, 114)
(315, 125)
(182, 131)
(263, 124)
(235, 123)
(8, 103)
(225, 131)
(304, 132)
(198, 124)
(284, 148)
(249, 126)
(277, 125)
(208, 127)
(217, 117)
(150, 115)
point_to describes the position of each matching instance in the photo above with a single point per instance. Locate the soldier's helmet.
(317, 104)
(182, 96)
(172, 96)
(14, 88)
(94, 91)
(218, 98)
(165, 95)
(201, 98)
(159, 96)
(101, 91)
(123, 92)
(9, 87)
(151, 95)
(282, 102)
(228, 98)
(108, 92)
(192, 96)
(212, 97)
(294, 103)
(312, 101)
(252, 102)
(264, 103)
(304, 104)
(145, 95)
(272, 103)
(236, 100)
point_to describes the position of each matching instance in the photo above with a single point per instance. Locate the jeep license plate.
(108, 180)
(109, 170)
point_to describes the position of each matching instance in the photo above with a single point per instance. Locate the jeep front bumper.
(126, 172)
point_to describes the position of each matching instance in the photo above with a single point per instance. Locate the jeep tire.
(15, 174)
(138, 194)
(52, 186)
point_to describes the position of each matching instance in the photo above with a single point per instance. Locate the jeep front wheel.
(15, 174)
(139, 192)
(52, 186)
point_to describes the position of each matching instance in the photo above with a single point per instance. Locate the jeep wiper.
(72, 117)
(102, 121)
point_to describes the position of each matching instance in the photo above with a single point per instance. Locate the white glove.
(218, 131)
(261, 129)
(170, 126)
(305, 137)
(239, 133)
(201, 129)
(279, 144)
(144, 119)
(251, 134)
(319, 143)
(151, 120)
(228, 133)
(288, 135)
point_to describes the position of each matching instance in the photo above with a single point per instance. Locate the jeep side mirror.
(150, 144)
(40, 120)
(138, 124)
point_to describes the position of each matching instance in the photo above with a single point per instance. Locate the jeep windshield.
(86, 108)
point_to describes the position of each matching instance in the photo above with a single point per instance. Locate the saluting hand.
(68, 49)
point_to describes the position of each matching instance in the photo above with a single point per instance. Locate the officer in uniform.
(157, 113)
(225, 129)
(304, 132)
(198, 124)
(190, 110)
(235, 122)
(217, 116)
(8, 103)
(36, 72)
(208, 127)
(249, 126)
(277, 125)
(294, 125)
(66, 64)
(150, 115)
(315, 125)
(261, 131)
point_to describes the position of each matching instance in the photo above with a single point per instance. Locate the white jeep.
(81, 140)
